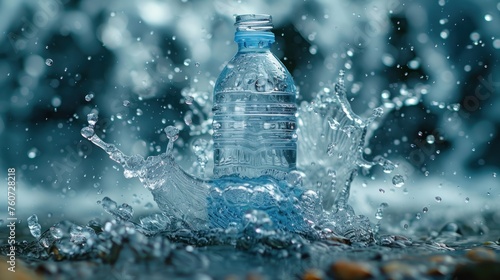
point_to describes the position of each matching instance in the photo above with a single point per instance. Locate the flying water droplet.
(453, 107)
(49, 62)
(34, 226)
(89, 97)
(379, 215)
(377, 112)
(108, 204)
(189, 100)
(172, 132)
(387, 165)
(438, 199)
(398, 180)
(467, 200)
(430, 139)
(123, 212)
(33, 152)
(425, 210)
(92, 119)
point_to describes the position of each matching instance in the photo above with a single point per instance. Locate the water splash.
(312, 200)
(34, 226)
(174, 190)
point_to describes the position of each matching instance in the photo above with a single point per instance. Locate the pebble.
(442, 259)
(439, 270)
(313, 274)
(351, 270)
(399, 270)
(340, 239)
(481, 254)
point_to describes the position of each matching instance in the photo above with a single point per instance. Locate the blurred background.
(144, 65)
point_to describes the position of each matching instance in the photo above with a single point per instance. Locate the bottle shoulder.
(255, 71)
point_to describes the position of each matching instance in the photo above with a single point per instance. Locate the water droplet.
(49, 62)
(189, 100)
(126, 103)
(467, 200)
(313, 49)
(438, 199)
(381, 190)
(33, 152)
(34, 226)
(418, 216)
(108, 204)
(87, 132)
(494, 174)
(496, 44)
(430, 139)
(377, 112)
(89, 97)
(92, 119)
(474, 36)
(200, 146)
(398, 181)
(444, 34)
(387, 165)
(488, 17)
(56, 232)
(425, 210)
(172, 132)
(187, 62)
(453, 107)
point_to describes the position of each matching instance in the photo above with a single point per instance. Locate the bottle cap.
(253, 22)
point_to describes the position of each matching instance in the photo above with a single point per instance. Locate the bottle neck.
(253, 40)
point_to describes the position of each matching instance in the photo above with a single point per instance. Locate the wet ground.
(122, 250)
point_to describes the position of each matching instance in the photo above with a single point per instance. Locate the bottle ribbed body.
(254, 108)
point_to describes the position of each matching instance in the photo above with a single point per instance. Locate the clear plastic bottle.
(254, 107)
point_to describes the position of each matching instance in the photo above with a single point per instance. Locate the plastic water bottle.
(254, 107)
